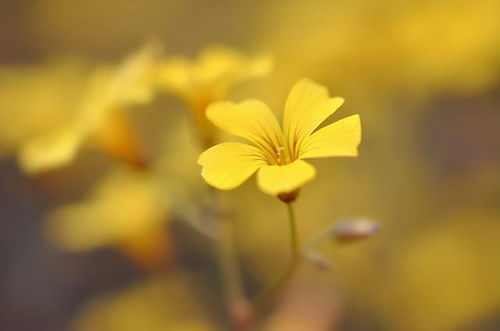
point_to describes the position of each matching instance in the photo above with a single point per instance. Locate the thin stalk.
(294, 240)
(269, 292)
(325, 234)
(227, 261)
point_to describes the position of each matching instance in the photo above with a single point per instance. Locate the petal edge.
(340, 138)
(226, 166)
(307, 106)
(278, 179)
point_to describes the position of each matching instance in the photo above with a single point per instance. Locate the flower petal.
(228, 165)
(307, 106)
(132, 82)
(251, 119)
(55, 149)
(215, 71)
(228, 66)
(123, 206)
(337, 139)
(176, 75)
(277, 179)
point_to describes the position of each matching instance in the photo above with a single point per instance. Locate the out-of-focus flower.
(447, 277)
(37, 99)
(127, 210)
(162, 303)
(97, 114)
(278, 154)
(208, 79)
(375, 46)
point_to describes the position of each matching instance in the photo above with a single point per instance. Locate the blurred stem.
(205, 129)
(294, 241)
(323, 235)
(227, 261)
(269, 292)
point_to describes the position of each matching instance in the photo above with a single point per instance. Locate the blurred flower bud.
(354, 230)
(319, 260)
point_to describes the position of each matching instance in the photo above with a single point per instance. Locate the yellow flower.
(208, 79)
(278, 154)
(170, 301)
(37, 99)
(127, 210)
(98, 115)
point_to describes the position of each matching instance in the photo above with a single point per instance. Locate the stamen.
(280, 154)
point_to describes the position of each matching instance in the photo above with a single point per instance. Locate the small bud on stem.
(319, 260)
(354, 230)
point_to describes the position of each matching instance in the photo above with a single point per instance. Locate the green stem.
(228, 263)
(294, 240)
(269, 292)
(313, 242)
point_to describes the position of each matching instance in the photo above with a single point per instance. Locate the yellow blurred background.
(106, 223)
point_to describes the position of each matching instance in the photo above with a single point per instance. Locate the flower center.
(282, 157)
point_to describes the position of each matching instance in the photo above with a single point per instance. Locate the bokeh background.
(423, 75)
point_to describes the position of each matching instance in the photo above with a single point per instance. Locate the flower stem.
(320, 237)
(269, 292)
(236, 303)
(294, 241)
(228, 262)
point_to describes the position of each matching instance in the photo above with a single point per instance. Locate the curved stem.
(320, 237)
(269, 292)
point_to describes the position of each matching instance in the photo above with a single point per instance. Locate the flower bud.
(319, 261)
(354, 230)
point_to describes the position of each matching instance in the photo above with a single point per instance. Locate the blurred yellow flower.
(37, 99)
(127, 210)
(278, 153)
(427, 293)
(208, 79)
(97, 114)
(166, 302)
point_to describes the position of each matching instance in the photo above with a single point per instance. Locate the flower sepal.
(289, 197)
